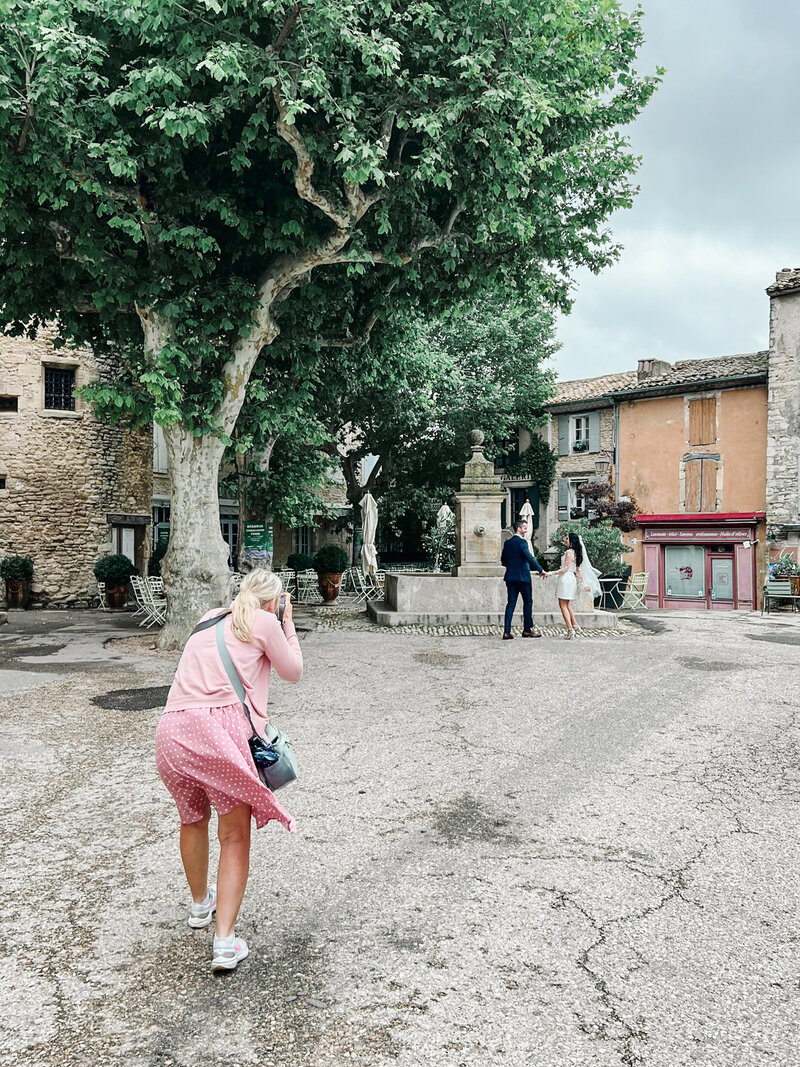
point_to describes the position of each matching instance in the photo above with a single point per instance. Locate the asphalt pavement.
(549, 853)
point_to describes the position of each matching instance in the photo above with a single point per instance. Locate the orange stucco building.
(691, 450)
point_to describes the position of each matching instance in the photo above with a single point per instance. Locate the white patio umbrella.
(369, 527)
(526, 513)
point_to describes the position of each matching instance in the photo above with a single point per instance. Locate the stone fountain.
(474, 593)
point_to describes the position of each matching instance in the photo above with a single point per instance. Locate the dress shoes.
(531, 633)
(508, 637)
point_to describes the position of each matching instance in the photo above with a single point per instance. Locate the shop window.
(9, 403)
(700, 473)
(684, 571)
(703, 420)
(59, 387)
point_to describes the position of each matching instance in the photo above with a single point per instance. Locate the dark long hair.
(575, 545)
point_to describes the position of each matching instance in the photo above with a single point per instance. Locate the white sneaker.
(227, 952)
(200, 915)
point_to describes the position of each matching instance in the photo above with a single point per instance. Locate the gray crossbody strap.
(234, 678)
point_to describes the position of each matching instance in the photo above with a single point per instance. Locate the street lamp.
(602, 466)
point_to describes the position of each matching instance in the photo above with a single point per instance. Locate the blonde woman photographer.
(203, 753)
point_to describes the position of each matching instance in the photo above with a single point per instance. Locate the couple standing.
(518, 560)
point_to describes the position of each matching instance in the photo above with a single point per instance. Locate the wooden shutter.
(708, 485)
(563, 435)
(703, 420)
(563, 498)
(692, 471)
(594, 431)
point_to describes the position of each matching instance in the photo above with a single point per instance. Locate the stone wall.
(65, 474)
(783, 427)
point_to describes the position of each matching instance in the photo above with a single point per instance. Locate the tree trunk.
(195, 567)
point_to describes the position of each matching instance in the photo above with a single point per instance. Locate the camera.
(282, 608)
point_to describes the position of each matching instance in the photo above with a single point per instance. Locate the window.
(123, 541)
(229, 524)
(685, 571)
(160, 460)
(9, 403)
(59, 385)
(700, 475)
(571, 505)
(507, 455)
(2, 481)
(161, 517)
(580, 433)
(301, 539)
(703, 420)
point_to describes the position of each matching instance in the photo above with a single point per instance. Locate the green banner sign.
(258, 540)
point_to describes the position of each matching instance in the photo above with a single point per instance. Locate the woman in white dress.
(568, 577)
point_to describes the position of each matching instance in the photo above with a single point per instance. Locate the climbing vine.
(537, 462)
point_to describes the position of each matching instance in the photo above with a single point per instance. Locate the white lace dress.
(567, 580)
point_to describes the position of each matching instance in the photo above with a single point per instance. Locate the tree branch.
(286, 29)
(304, 168)
(350, 340)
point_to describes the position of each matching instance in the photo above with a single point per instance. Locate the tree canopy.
(181, 181)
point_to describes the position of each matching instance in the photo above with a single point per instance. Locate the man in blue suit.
(518, 560)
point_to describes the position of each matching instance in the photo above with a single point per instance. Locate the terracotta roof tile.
(691, 371)
(590, 388)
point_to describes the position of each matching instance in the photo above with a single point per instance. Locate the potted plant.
(17, 572)
(580, 446)
(330, 563)
(788, 567)
(115, 571)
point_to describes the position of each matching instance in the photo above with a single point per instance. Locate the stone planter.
(116, 597)
(330, 585)
(18, 592)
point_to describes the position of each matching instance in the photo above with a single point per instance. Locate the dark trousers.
(514, 589)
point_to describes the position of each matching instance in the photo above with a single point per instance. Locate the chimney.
(652, 368)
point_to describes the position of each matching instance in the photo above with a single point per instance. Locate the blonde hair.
(260, 587)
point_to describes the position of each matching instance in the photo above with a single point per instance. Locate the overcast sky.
(718, 210)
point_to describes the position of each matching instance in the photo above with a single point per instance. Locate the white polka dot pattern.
(203, 757)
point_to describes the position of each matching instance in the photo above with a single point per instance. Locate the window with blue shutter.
(563, 435)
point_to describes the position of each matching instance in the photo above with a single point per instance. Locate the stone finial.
(476, 439)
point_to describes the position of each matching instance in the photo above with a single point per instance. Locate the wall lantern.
(602, 467)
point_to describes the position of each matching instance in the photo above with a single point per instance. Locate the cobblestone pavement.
(549, 853)
(329, 619)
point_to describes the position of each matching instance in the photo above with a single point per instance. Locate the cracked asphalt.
(549, 853)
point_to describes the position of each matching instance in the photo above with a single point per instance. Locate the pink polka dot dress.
(202, 750)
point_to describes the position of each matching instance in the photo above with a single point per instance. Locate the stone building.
(783, 435)
(71, 488)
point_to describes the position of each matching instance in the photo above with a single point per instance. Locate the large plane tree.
(175, 175)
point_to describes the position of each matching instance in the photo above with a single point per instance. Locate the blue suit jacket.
(517, 560)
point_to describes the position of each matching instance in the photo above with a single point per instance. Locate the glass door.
(722, 577)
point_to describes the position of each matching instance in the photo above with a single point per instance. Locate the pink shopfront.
(702, 561)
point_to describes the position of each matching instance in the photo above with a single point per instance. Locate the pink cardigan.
(201, 682)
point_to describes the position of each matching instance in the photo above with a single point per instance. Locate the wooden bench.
(778, 589)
